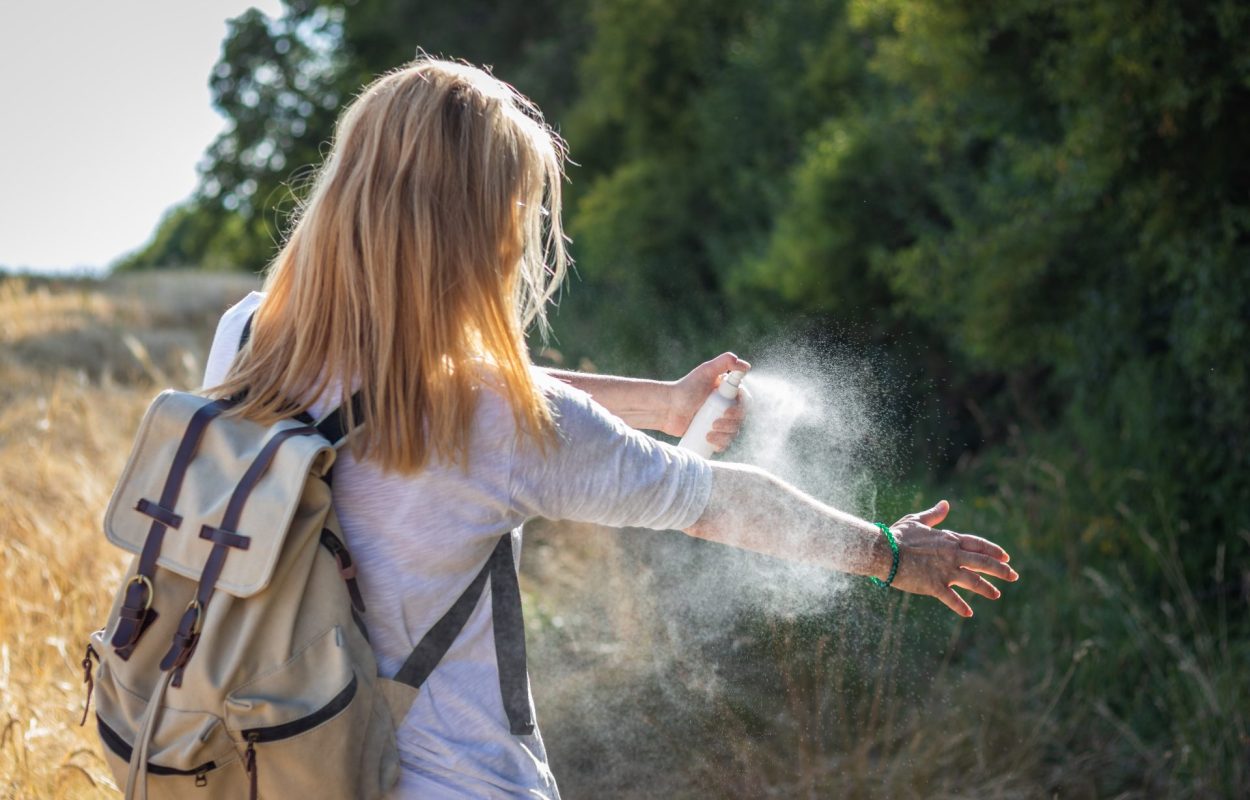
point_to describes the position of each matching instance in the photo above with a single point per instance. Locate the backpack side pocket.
(191, 750)
(304, 728)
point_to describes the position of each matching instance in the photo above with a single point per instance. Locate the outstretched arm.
(666, 406)
(751, 509)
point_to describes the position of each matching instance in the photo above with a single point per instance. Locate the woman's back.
(420, 540)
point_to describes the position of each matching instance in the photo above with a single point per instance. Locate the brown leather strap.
(228, 538)
(173, 484)
(137, 603)
(131, 614)
(147, 620)
(158, 513)
(188, 633)
(234, 509)
(87, 679)
(347, 568)
(185, 639)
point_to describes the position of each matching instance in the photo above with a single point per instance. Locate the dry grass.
(79, 360)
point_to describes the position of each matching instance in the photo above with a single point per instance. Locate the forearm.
(641, 403)
(751, 509)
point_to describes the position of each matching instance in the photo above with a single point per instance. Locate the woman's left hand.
(688, 394)
(933, 561)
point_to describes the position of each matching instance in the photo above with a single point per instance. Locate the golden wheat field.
(79, 361)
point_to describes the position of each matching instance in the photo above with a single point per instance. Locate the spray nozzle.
(729, 386)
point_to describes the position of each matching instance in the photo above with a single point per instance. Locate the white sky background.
(104, 113)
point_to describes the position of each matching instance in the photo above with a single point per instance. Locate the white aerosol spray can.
(717, 403)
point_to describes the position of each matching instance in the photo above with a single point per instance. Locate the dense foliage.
(1053, 198)
(1042, 209)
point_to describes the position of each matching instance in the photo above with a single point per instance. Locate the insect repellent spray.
(711, 410)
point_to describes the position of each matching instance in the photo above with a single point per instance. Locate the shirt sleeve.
(226, 341)
(602, 471)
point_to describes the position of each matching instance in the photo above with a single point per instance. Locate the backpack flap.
(228, 448)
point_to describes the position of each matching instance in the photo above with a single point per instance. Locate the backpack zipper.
(274, 733)
(113, 741)
(287, 730)
(271, 733)
(249, 765)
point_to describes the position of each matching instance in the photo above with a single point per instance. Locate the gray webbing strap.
(509, 629)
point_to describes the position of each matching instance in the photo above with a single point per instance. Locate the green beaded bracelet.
(889, 537)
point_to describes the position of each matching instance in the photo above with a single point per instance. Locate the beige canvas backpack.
(236, 659)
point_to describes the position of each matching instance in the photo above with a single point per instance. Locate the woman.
(430, 242)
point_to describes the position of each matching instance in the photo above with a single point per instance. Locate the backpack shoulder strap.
(509, 630)
(247, 331)
(334, 425)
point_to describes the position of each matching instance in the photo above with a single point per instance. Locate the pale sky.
(104, 113)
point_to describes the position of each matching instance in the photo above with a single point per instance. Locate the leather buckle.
(195, 606)
(347, 567)
(148, 595)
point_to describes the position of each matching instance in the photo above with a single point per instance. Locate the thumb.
(935, 515)
(726, 362)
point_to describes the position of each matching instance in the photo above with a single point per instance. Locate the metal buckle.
(151, 591)
(199, 616)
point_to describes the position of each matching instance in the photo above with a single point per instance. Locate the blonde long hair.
(430, 241)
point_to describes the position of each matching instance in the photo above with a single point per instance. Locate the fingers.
(731, 419)
(744, 400)
(725, 362)
(988, 565)
(720, 441)
(935, 515)
(975, 544)
(726, 428)
(728, 425)
(954, 602)
(974, 582)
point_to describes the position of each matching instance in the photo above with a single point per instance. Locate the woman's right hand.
(933, 560)
(687, 395)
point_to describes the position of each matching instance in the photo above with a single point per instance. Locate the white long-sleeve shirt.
(419, 540)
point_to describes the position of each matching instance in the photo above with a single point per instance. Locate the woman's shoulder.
(247, 305)
(226, 340)
(557, 393)
(567, 403)
(574, 412)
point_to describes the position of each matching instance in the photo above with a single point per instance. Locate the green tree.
(282, 82)
(1091, 238)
